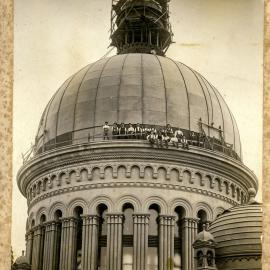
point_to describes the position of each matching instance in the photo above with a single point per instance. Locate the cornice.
(140, 151)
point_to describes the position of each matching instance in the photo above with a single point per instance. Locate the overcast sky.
(221, 39)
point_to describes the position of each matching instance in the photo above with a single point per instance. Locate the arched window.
(202, 216)
(57, 216)
(199, 259)
(210, 258)
(153, 239)
(128, 211)
(32, 223)
(180, 214)
(102, 236)
(42, 239)
(77, 213)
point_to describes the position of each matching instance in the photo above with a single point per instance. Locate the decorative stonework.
(85, 158)
(131, 184)
(108, 172)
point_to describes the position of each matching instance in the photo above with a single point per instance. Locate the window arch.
(153, 236)
(57, 217)
(202, 216)
(102, 211)
(77, 213)
(180, 214)
(128, 211)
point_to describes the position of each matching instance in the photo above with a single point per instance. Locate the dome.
(22, 260)
(204, 236)
(238, 231)
(135, 88)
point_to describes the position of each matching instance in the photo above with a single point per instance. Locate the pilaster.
(68, 244)
(29, 245)
(140, 240)
(90, 242)
(166, 242)
(114, 241)
(190, 227)
(51, 247)
(37, 254)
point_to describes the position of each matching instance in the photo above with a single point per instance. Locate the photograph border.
(6, 93)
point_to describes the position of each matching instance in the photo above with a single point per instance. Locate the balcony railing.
(96, 134)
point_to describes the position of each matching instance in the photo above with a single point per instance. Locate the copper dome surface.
(143, 88)
(238, 230)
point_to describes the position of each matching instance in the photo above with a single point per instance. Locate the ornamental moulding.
(130, 184)
(232, 170)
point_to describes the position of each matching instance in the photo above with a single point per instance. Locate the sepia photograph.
(137, 135)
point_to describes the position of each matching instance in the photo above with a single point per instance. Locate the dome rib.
(239, 139)
(77, 94)
(50, 102)
(65, 114)
(142, 90)
(217, 114)
(96, 94)
(204, 98)
(230, 116)
(60, 101)
(209, 100)
(165, 89)
(223, 124)
(212, 107)
(188, 101)
(120, 85)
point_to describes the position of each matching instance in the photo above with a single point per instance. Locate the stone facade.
(181, 188)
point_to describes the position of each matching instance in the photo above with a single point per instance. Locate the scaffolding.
(140, 26)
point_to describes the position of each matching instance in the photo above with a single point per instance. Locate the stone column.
(68, 244)
(90, 242)
(29, 245)
(114, 241)
(38, 244)
(190, 227)
(166, 242)
(194, 230)
(140, 240)
(51, 246)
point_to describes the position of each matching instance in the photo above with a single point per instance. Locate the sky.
(221, 39)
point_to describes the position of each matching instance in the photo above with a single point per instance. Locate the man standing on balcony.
(106, 129)
(115, 131)
(130, 131)
(138, 131)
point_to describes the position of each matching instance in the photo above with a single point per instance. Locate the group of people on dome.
(161, 136)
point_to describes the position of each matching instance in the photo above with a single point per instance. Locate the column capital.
(167, 220)
(51, 222)
(167, 216)
(90, 220)
(115, 214)
(141, 214)
(190, 219)
(69, 222)
(29, 233)
(37, 229)
(90, 216)
(114, 218)
(141, 218)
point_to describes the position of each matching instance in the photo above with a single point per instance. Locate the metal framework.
(140, 26)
